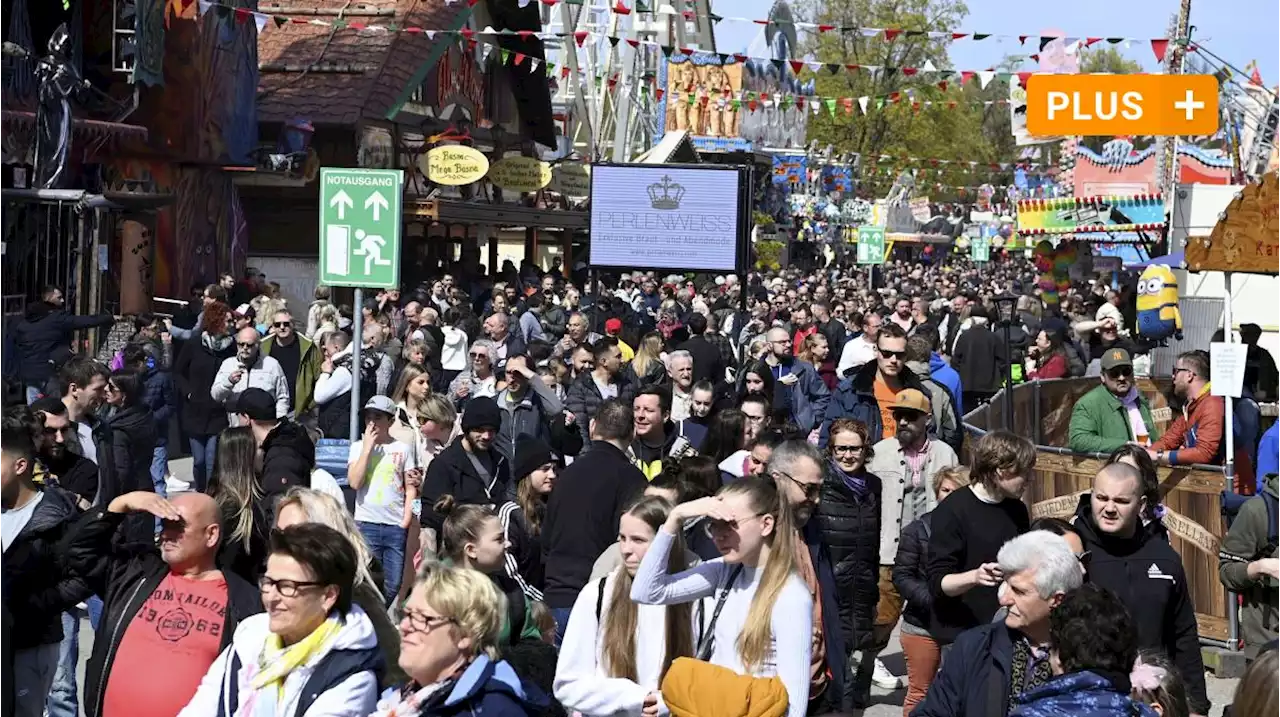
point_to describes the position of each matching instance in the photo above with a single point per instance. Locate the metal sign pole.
(357, 341)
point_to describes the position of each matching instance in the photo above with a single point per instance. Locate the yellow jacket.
(693, 688)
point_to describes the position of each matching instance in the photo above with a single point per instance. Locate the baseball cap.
(257, 404)
(910, 399)
(381, 403)
(1114, 357)
(613, 326)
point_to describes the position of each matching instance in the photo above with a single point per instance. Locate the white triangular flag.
(985, 77)
(533, 63)
(203, 6)
(260, 20)
(524, 4)
(488, 30)
(815, 105)
(431, 34)
(928, 66)
(862, 103)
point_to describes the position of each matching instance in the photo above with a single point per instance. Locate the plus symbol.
(1189, 105)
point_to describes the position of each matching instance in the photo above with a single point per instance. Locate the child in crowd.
(1156, 682)
(386, 478)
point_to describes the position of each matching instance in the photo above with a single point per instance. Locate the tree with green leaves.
(917, 114)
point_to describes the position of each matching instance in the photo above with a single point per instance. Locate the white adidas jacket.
(355, 696)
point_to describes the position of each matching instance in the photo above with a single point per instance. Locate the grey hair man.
(680, 369)
(1039, 569)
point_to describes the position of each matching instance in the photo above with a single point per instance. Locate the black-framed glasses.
(811, 490)
(422, 622)
(886, 353)
(848, 449)
(286, 588)
(246, 344)
(1177, 371)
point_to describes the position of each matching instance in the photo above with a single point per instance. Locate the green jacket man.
(1100, 421)
(309, 362)
(1248, 565)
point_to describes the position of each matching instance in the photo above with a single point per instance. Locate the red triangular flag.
(1035, 57)
(889, 34)
(943, 85)
(658, 93)
(1023, 77)
(1089, 41)
(613, 82)
(1159, 47)
(519, 57)
(524, 34)
(909, 71)
(959, 35)
(467, 32)
(633, 42)
(966, 76)
(580, 37)
(797, 66)
(853, 68)
(752, 104)
(739, 58)
(1022, 39)
(243, 15)
(621, 9)
(826, 28)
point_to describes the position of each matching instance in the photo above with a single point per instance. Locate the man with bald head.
(1136, 562)
(167, 608)
(798, 391)
(250, 368)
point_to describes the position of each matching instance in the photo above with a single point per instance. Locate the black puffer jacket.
(288, 457)
(910, 574)
(453, 473)
(133, 438)
(125, 574)
(583, 399)
(193, 376)
(851, 531)
(37, 585)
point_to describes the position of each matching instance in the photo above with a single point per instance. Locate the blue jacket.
(1268, 454)
(1080, 694)
(157, 396)
(974, 679)
(942, 372)
(488, 688)
(855, 398)
(809, 395)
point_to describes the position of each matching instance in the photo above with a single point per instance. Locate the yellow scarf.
(277, 661)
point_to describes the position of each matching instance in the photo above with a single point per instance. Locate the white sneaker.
(885, 679)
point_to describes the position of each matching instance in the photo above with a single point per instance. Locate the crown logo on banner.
(665, 194)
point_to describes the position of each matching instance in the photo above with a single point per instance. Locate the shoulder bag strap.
(706, 644)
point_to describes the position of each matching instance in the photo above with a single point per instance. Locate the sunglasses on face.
(480, 356)
(811, 490)
(246, 344)
(1120, 372)
(886, 353)
(282, 324)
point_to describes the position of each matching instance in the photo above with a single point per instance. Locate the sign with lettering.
(1248, 239)
(360, 227)
(520, 174)
(454, 165)
(666, 217)
(571, 180)
(870, 245)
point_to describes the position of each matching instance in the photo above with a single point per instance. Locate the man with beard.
(164, 605)
(869, 394)
(1114, 413)
(1136, 562)
(1196, 434)
(680, 371)
(471, 469)
(797, 467)
(55, 462)
(799, 392)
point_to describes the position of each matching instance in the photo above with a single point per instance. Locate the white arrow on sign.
(342, 201)
(378, 202)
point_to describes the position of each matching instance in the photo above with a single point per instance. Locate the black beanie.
(481, 412)
(531, 454)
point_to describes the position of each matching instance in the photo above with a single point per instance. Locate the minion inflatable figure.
(1158, 315)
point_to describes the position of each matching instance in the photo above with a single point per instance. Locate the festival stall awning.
(675, 147)
(1100, 219)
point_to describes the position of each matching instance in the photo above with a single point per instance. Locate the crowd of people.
(637, 495)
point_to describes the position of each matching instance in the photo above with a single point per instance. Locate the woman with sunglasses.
(849, 518)
(133, 440)
(762, 623)
(450, 649)
(479, 378)
(312, 652)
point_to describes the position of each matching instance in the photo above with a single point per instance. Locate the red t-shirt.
(167, 648)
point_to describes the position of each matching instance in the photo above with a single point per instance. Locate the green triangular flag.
(281, 20)
(830, 102)
(879, 103)
(736, 104)
(504, 55)
(340, 23)
(981, 35)
(715, 18)
(693, 99)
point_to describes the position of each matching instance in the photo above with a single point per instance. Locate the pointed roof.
(354, 73)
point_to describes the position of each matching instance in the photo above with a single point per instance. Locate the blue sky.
(1236, 30)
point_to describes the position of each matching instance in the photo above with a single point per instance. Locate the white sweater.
(582, 684)
(792, 616)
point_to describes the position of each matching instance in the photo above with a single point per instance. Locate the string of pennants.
(262, 20)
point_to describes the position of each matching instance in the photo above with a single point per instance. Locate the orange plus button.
(1114, 105)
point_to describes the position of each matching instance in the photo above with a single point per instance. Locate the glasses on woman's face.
(422, 622)
(480, 357)
(849, 450)
(286, 588)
